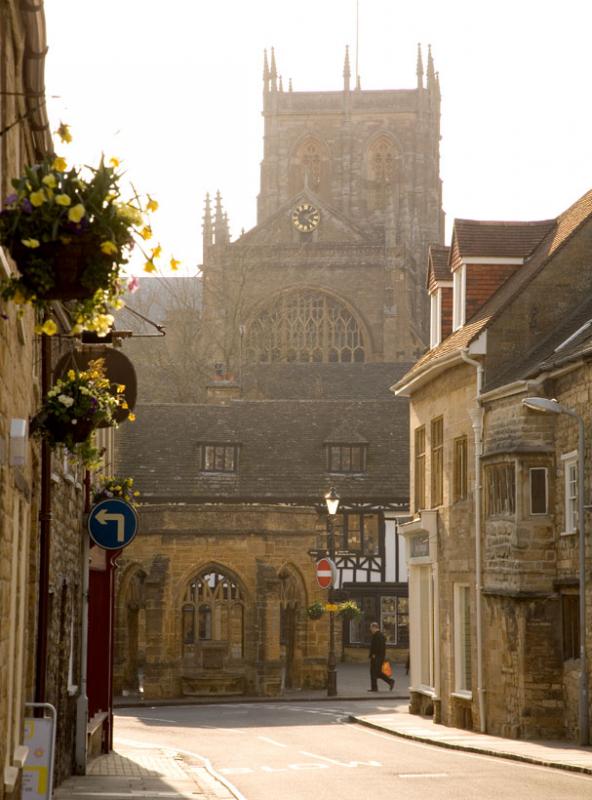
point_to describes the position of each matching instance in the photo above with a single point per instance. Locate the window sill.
(425, 690)
(462, 694)
(568, 533)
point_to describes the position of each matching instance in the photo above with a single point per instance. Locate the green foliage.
(315, 610)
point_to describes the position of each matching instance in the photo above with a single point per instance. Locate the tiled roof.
(438, 258)
(499, 239)
(282, 453)
(561, 231)
(320, 381)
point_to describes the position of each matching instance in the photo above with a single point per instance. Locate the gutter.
(401, 389)
(477, 414)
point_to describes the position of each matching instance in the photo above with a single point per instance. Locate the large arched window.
(305, 326)
(381, 171)
(213, 611)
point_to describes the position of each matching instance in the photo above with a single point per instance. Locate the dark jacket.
(378, 646)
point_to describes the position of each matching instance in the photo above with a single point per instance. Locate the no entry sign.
(325, 573)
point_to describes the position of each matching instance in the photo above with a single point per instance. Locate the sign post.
(112, 524)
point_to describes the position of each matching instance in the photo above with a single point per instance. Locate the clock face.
(305, 217)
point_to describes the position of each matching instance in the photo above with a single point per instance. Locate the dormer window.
(459, 297)
(346, 458)
(220, 457)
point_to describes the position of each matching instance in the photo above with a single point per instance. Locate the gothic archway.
(292, 623)
(309, 167)
(131, 629)
(381, 171)
(305, 326)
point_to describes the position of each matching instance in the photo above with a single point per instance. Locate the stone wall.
(256, 546)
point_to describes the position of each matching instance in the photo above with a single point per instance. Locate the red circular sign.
(324, 573)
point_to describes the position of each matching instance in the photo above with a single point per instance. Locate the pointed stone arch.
(293, 627)
(382, 170)
(130, 630)
(309, 167)
(306, 325)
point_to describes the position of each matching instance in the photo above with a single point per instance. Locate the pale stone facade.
(494, 592)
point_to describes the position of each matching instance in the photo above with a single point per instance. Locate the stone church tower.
(350, 199)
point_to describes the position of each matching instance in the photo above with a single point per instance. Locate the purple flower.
(26, 206)
(12, 198)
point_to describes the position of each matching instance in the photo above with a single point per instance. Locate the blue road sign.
(112, 524)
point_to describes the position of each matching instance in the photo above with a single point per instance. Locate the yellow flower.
(120, 388)
(32, 243)
(174, 264)
(136, 493)
(331, 607)
(50, 180)
(146, 232)
(109, 248)
(132, 418)
(130, 214)
(76, 213)
(156, 252)
(59, 164)
(152, 205)
(71, 375)
(124, 405)
(37, 198)
(64, 133)
(63, 200)
(149, 266)
(114, 162)
(49, 328)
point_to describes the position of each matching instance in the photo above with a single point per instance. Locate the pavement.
(149, 773)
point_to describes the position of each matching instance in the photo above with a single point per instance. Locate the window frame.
(341, 529)
(570, 500)
(360, 449)
(530, 491)
(496, 505)
(435, 317)
(419, 468)
(463, 640)
(459, 296)
(460, 471)
(217, 446)
(437, 462)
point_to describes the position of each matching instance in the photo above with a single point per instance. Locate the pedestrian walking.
(377, 657)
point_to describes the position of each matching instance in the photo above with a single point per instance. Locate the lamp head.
(332, 500)
(543, 404)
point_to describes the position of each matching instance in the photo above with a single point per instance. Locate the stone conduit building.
(493, 545)
(305, 321)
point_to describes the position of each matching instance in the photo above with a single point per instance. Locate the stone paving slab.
(560, 755)
(147, 773)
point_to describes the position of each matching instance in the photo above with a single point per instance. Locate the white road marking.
(157, 719)
(423, 775)
(271, 741)
(348, 764)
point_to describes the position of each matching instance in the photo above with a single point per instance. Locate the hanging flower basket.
(70, 233)
(120, 488)
(349, 609)
(75, 406)
(315, 610)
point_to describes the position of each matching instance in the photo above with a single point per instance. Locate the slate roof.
(320, 381)
(438, 258)
(569, 342)
(282, 453)
(558, 235)
(499, 239)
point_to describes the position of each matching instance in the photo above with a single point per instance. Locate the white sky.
(173, 88)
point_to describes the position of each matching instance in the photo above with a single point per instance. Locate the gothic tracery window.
(213, 610)
(308, 165)
(381, 172)
(304, 327)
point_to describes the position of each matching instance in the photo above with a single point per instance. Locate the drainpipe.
(476, 415)
(82, 701)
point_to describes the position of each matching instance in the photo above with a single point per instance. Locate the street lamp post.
(332, 501)
(553, 407)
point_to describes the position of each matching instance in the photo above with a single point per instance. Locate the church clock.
(305, 217)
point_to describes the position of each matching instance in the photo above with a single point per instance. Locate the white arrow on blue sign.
(112, 524)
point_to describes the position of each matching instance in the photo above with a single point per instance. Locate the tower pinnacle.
(419, 68)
